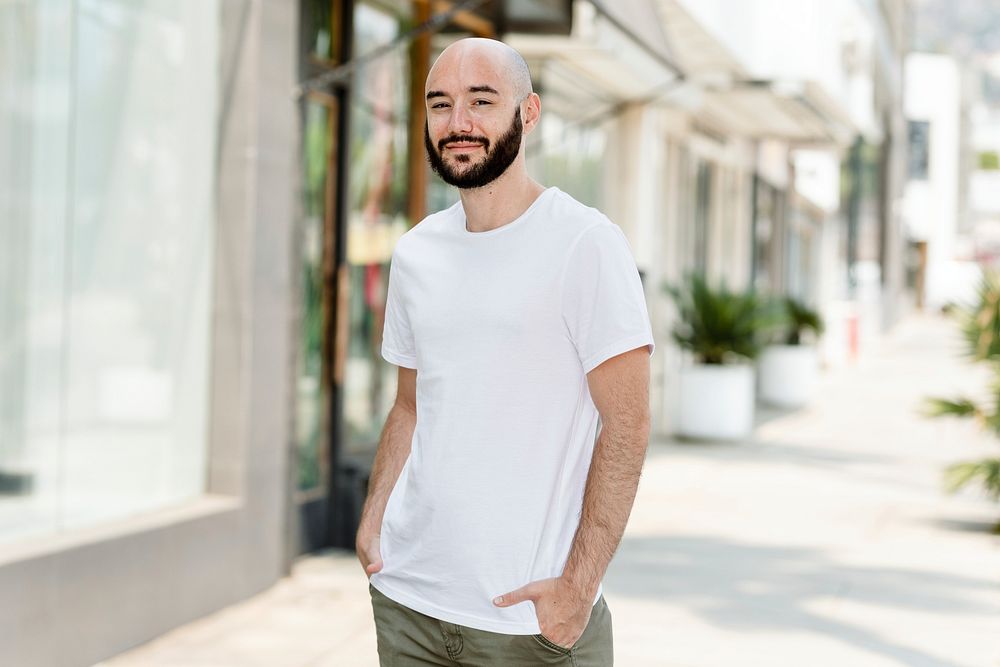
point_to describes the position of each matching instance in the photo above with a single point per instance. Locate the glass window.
(376, 218)
(568, 149)
(696, 183)
(108, 118)
(801, 252)
(865, 212)
(538, 16)
(311, 392)
(768, 223)
(319, 22)
(919, 153)
(572, 157)
(702, 215)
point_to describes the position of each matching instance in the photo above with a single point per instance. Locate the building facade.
(940, 169)
(145, 318)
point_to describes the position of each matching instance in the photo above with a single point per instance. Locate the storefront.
(146, 183)
(365, 181)
(107, 193)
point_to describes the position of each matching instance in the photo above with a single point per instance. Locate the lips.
(462, 147)
(460, 144)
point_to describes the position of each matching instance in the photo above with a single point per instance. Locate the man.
(517, 320)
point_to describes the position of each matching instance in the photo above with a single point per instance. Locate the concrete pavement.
(824, 541)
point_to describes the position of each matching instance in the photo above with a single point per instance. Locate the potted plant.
(789, 370)
(722, 329)
(980, 325)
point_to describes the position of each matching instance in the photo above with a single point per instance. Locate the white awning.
(794, 112)
(727, 100)
(615, 56)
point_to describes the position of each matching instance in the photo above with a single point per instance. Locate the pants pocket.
(551, 645)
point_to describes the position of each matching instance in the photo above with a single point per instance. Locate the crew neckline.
(463, 221)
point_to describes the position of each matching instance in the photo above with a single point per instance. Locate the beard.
(489, 168)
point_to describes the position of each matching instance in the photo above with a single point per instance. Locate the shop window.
(109, 116)
(919, 154)
(702, 230)
(768, 223)
(376, 217)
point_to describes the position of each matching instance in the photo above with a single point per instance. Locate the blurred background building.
(199, 200)
(952, 196)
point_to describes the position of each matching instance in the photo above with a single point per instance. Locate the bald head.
(490, 56)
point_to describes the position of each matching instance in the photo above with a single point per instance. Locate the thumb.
(374, 553)
(522, 594)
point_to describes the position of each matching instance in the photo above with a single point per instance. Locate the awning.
(798, 112)
(727, 100)
(620, 48)
(698, 52)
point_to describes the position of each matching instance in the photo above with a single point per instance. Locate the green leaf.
(941, 407)
(801, 320)
(986, 471)
(980, 320)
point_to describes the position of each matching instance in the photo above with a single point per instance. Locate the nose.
(460, 121)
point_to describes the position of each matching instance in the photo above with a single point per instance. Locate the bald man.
(518, 323)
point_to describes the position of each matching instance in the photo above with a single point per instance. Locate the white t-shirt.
(502, 327)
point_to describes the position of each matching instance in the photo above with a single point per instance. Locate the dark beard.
(493, 164)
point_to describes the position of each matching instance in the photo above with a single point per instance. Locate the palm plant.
(801, 319)
(719, 325)
(980, 324)
(987, 470)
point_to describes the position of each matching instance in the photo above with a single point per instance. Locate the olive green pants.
(407, 637)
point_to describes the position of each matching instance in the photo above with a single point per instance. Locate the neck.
(501, 201)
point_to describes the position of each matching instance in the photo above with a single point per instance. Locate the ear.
(532, 112)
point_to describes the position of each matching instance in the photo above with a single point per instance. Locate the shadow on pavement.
(743, 586)
(756, 450)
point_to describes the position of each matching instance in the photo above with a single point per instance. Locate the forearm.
(393, 449)
(607, 502)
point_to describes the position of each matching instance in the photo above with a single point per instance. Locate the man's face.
(470, 161)
(474, 124)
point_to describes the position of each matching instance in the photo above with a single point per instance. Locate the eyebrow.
(472, 89)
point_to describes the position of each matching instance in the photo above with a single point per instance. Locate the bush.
(718, 325)
(801, 320)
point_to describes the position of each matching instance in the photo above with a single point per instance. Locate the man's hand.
(393, 450)
(563, 610)
(369, 548)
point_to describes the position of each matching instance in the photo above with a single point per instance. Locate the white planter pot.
(716, 402)
(788, 375)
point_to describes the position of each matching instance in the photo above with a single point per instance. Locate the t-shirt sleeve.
(397, 336)
(603, 304)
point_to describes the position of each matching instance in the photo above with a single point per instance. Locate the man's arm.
(620, 389)
(393, 448)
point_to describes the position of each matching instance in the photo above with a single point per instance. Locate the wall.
(930, 205)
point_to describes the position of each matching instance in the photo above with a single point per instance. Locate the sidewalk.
(824, 541)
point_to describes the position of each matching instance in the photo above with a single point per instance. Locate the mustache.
(465, 139)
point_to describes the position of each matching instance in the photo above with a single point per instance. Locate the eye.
(439, 105)
(482, 102)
